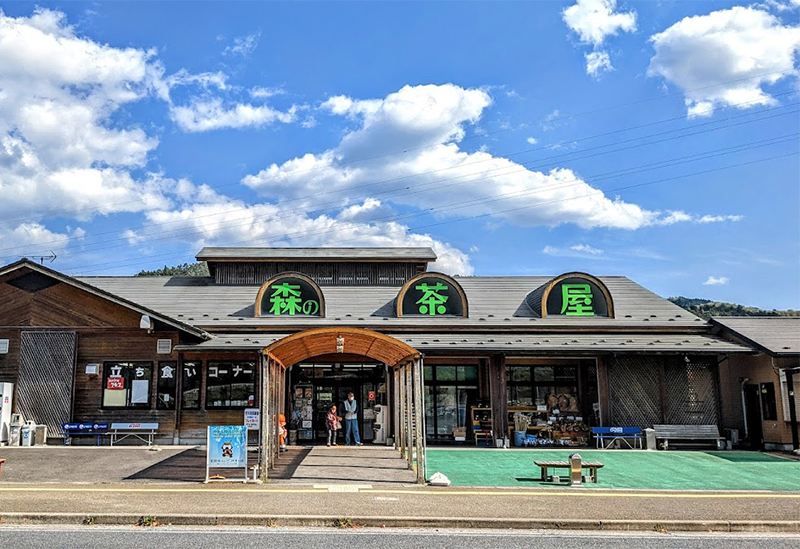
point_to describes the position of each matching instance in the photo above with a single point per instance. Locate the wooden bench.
(145, 432)
(688, 433)
(606, 437)
(592, 466)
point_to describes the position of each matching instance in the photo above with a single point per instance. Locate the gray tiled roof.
(620, 343)
(493, 304)
(776, 335)
(317, 254)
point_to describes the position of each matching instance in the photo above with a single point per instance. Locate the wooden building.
(302, 327)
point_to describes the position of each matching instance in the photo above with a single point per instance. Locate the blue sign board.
(86, 427)
(227, 446)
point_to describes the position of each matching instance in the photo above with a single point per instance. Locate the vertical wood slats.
(325, 274)
(44, 390)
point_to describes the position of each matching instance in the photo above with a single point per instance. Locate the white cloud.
(594, 21)
(725, 58)
(208, 218)
(62, 147)
(428, 121)
(576, 250)
(674, 217)
(716, 281)
(585, 248)
(597, 62)
(531, 141)
(719, 218)
(244, 45)
(205, 114)
(263, 92)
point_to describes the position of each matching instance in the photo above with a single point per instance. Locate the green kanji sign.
(576, 297)
(290, 296)
(432, 296)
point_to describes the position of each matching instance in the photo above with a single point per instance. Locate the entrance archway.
(406, 398)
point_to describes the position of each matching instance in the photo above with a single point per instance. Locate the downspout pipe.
(742, 381)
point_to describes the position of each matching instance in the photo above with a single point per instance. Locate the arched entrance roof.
(322, 341)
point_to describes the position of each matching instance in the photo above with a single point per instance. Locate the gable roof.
(316, 254)
(121, 301)
(495, 303)
(778, 336)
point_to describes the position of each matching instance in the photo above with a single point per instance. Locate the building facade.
(294, 330)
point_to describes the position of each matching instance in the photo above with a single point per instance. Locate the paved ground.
(487, 505)
(634, 469)
(168, 538)
(374, 465)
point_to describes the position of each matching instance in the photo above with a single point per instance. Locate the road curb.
(127, 519)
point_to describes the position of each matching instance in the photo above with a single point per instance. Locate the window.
(166, 385)
(550, 386)
(127, 384)
(190, 385)
(230, 384)
(450, 391)
(769, 409)
(787, 393)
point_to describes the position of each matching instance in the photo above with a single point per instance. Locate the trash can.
(650, 437)
(519, 438)
(28, 433)
(41, 435)
(15, 430)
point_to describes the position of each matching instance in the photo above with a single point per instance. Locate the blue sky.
(655, 140)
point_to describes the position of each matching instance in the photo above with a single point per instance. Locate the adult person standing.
(351, 420)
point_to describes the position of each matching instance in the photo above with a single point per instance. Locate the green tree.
(705, 308)
(186, 269)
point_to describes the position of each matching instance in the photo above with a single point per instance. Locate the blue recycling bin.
(519, 438)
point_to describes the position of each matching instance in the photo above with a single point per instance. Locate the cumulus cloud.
(673, 217)
(594, 21)
(61, 147)
(208, 218)
(428, 121)
(531, 141)
(725, 58)
(716, 281)
(598, 62)
(211, 114)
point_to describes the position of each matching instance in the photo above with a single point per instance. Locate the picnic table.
(545, 465)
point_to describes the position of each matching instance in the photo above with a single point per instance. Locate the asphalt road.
(169, 537)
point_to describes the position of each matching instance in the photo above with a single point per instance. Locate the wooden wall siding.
(9, 363)
(61, 305)
(634, 390)
(44, 385)
(691, 392)
(96, 346)
(324, 274)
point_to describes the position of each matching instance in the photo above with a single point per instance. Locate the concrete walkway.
(370, 465)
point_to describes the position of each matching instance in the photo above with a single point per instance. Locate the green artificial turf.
(636, 469)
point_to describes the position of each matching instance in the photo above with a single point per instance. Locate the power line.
(518, 168)
(612, 107)
(118, 264)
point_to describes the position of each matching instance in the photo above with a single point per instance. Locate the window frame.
(768, 407)
(174, 394)
(532, 383)
(457, 384)
(216, 364)
(127, 365)
(198, 364)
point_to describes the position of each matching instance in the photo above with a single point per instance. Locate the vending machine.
(6, 400)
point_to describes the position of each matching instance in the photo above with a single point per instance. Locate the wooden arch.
(263, 289)
(431, 274)
(593, 279)
(320, 341)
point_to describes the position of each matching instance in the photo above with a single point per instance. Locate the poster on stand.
(226, 448)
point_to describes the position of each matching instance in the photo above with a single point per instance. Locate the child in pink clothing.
(332, 422)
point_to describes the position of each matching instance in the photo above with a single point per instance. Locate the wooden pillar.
(396, 407)
(265, 428)
(420, 423)
(409, 417)
(602, 392)
(497, 387)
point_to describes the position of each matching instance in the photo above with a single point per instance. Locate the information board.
(226, 448)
